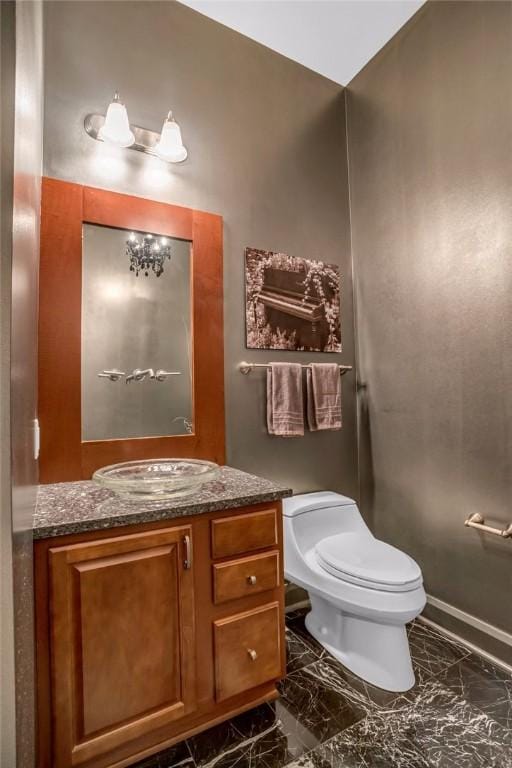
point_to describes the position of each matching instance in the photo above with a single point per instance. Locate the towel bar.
(246, 368)
(477, 521)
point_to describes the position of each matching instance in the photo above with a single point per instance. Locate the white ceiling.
(333, 37)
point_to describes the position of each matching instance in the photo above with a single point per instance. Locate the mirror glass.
(136, 335)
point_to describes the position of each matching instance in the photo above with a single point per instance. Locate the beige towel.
(324, 396)
(284, 400)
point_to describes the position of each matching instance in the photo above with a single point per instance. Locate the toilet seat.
(368, 562)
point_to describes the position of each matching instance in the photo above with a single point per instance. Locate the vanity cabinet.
(122, 637)
(149, 633)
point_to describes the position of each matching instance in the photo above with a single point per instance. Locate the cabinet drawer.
(244, 533)
(247, 650)
(245, 576)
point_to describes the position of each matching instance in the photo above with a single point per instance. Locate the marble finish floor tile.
(268, 736)
(443, 727)
(281, 739)
(269, 750)
(357, 689)
(206, 746)
(356, 748)
(296, 623)
(434, 725)
(458, 715)
(322, 702)
(483, 685)
(431, 651)
(175, 757)
(299, 652)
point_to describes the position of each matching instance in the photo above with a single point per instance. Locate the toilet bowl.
(363, 592)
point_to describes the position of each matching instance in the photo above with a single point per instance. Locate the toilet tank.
(311, 517)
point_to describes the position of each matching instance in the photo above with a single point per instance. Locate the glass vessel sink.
(156, 480)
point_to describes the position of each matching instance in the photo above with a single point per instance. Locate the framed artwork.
(291, 303)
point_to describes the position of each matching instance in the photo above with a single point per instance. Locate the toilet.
(363, 592)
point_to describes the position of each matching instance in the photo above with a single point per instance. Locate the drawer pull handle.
(252, 579)
(187, 562)
(252, 653)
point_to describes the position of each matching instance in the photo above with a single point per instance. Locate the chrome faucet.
(113, 375)
(161, 375)
(139, 375)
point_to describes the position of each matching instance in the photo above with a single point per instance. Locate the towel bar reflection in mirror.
(246, 368)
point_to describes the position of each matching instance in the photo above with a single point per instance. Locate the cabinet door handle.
(187, 563)
(252, 653)
(252, 579)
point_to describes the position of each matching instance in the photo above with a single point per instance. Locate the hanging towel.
(324, 396)
(284, 400)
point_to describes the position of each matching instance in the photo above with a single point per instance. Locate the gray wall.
(21, 161)
(7, 654)
(267, 152)
(430, 147)
(25, 260)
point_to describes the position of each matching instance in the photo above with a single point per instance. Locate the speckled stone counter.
(66, 508)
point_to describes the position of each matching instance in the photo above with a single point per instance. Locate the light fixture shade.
(116, 128)
(170, 146)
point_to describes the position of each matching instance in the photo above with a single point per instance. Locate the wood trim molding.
(65, 206)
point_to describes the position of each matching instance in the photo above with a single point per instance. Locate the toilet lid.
(368, 562)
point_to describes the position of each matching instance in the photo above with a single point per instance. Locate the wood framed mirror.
(131, 361)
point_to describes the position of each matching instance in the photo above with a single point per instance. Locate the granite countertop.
(67, 508)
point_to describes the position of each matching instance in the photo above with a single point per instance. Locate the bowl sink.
(156, 480)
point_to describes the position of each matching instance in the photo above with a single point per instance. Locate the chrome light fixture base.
(145, 140)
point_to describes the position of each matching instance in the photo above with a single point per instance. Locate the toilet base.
(376, 652)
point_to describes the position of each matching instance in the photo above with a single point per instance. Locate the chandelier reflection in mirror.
(147, 252)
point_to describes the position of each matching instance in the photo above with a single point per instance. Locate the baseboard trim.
(297, 606)
(483, 627)
(468, 618)
(470, 646)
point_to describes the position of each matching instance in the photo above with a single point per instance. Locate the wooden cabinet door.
(122, 641)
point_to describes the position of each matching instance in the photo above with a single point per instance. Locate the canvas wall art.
(291, 303)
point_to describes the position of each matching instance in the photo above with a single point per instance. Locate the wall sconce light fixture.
(170, 145)
(115, 128)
